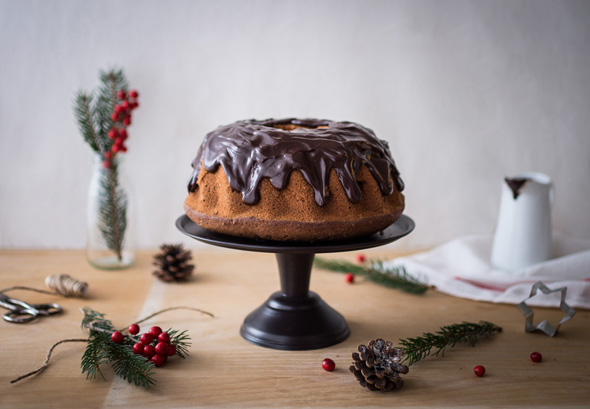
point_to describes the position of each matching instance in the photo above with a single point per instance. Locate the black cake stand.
(295, 318)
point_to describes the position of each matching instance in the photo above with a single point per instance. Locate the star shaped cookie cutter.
(544, 325)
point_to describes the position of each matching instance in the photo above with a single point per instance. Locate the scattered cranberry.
(164, 337)
(146, 338)
(133, 328)
(349, 278)
(133, 94)
(155, 331)
(361, 258)
(149, 351)
(328, 364)
(121, 94)
(159, 360)
(536, 357)
(117, 337)
(171, 349)
(479, 370)
(138, 348)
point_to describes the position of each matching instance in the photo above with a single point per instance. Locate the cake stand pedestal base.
(295, 318)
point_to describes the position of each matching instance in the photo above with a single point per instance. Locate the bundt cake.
(295, 180)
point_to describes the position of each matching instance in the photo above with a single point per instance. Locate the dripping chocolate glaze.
(251, 150)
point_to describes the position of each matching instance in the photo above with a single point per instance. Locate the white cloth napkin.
(462, 268)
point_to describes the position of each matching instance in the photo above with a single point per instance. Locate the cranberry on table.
(361, 258)
(328, 364)
(349, 278)
(536, 357)
(479, 370)
(117, 337)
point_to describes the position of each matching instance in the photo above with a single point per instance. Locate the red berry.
(115, 116)
(121, 94)
(123, 148)
(146, 338)
(133, 328)
(328, 364)
(117, 337)
(159, 360)
(119, 142)
(162, 348)
(133, 94)
(149, 351)
(127, 120)
(479, 370)
(108, 155)
(125, 105)
(106, 164)
(361, 258)
(164, 337)
(138, 348)
(118, 109)
(112, 133)
(536, 357)
(134, 104)
(155, 331)
(123, 134)
(115, 148)
(171, 349)
(349, 278)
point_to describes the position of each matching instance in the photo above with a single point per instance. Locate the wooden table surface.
(224, 370)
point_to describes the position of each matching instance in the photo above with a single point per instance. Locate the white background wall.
(465, 92)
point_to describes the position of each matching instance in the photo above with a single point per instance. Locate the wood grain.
(226, 371)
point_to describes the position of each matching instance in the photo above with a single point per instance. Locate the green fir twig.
(378, 272)
(418, 348)
(94, 122)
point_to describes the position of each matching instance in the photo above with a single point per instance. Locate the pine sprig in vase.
(103, 118)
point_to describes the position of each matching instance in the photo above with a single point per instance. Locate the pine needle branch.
(418, 348)
(85, 117)
(181, 340)
(376, 271)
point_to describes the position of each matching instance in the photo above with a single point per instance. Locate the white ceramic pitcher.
(523, 233)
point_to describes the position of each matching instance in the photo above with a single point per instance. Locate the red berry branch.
(121, 116)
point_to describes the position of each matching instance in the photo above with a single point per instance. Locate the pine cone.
(378, 366)
(172, 263)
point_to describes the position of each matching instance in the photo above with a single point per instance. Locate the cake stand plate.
(295, 318)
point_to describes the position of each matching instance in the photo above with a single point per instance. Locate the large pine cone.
(378, 366)
(172, 263)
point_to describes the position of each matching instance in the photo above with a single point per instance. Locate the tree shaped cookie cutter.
(544, 325)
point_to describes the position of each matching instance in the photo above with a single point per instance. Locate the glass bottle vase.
(110, 243)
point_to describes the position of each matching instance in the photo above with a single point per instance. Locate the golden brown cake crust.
(292, 214)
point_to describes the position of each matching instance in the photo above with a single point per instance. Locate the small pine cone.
(172, 263)
(377, 366)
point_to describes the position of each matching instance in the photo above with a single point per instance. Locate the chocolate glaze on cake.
(250, 150)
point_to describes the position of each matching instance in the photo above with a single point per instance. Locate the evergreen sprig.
(181, 340)
(93, 115)
(418, 348)
(378, 272)
(102, 350)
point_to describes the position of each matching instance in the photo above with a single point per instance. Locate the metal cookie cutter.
(544, 325)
